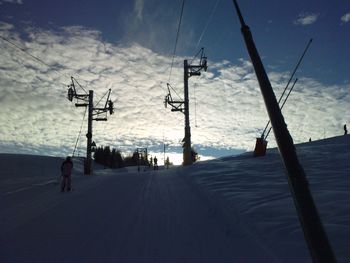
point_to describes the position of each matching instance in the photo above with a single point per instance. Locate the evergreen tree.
(119, 159)
(107, 156)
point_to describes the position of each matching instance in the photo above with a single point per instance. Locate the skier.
(167, 162)
(66, 171)
(150, 162)
(155, 160)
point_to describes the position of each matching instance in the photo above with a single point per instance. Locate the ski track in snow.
(233, 209)
(147, 217)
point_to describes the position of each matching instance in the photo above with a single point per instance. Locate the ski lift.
(204, 63)
(166, 99)
(110, 107)
(194, 70)
(175, 104)
(71, 93)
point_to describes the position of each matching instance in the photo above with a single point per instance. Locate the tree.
(106, 156)
(116, 159)
(98, 155)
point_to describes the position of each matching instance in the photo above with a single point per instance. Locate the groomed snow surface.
(234, 209)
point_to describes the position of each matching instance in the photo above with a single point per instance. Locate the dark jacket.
(66, 168)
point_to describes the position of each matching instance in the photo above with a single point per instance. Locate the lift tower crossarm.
(310, 221)
(176, 105)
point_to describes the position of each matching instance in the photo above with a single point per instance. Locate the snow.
(233, 209)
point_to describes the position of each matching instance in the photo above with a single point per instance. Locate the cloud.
(12, 1)
(138, 9)
(345, 18)
(5, 27)
(155, 26)
(226, 106)
(305, 19)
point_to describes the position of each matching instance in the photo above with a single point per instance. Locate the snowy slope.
(234, 209)
(255, 191)
(21, 172)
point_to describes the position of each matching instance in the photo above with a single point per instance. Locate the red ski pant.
(66, 181)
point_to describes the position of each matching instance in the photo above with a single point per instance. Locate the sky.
(127, 46)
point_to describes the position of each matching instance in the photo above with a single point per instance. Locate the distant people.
(167, 162)
(66, 172)
(310, 139)
(345, 130)
(150, 164)
(155, 160)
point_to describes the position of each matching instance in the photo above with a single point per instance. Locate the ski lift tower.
(183, 106)
(86, 100)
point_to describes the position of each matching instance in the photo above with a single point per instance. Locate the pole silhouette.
(310, 221)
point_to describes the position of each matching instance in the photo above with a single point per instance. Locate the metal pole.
(187, 158)
(314, 232)
(88, 162)
(164, 153)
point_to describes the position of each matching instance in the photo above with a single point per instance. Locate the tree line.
(114, 158)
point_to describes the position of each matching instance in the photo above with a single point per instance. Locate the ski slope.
(233, 209)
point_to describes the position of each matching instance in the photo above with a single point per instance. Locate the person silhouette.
(150, 162)
(345, 130)
(66, 173)
(167, 162)
(155, 160)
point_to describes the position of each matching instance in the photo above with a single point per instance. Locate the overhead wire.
(172, 64)
(16, 46)
(200, 50)
(101, 98)
(79, 134)
(196, 55)
(195, 106)
(175, 91)
(284, 102)
(207, 24)
(32, 56)
(177, 39)
(290, 79)
(80, 85)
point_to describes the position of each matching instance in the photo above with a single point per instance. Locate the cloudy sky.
(127, 46)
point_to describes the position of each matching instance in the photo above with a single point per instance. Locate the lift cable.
(169, 86)
(79, 134)
(102, 98)
(284, 102)
(200, 51)
(290, 79)
(32, 56)
(80, 85)
(177, 38)
(206, 26)
(195, 106)
(38, 60)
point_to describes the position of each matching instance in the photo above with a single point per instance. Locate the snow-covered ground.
(233, 209)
